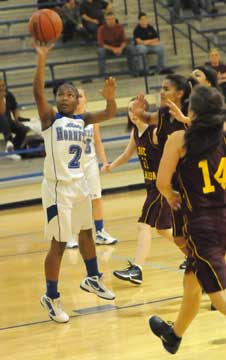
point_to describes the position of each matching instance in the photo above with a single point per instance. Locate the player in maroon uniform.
(156, 212)
(199, 156)
(176, 89)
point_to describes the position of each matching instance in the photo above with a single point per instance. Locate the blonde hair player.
(94, 147)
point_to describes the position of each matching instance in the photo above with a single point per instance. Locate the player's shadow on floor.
(218, 342)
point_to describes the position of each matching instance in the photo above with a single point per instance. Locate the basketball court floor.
(98, 329)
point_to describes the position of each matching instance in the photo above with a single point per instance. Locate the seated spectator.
(209, 6)
(215, 63)
(112, 41)
(219, 67)
(72, 24)
(177, 7)
(10, 120)
(147, 42)
(92, 14)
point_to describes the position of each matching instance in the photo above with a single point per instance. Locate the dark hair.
(130, 125)
(192, 81)
(210, 73)
(141, 14)
(59, 83)
(206, 130)
(181, 83)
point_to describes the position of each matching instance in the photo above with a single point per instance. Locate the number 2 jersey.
(202, 184)
(64, 145)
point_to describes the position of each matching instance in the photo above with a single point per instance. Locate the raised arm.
(173, 151)
(177, 113)
(125, 156)
(46, 112)
(108, 92)
(99, 146)
(138, 108)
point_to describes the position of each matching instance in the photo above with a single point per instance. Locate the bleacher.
(74, 61)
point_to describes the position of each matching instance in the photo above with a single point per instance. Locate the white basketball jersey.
(90, 151)
(64, 146)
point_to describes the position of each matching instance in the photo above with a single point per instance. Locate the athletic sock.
(99, 224)
(92, 267)
(51, 289)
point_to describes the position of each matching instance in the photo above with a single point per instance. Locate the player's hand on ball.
(42, 48)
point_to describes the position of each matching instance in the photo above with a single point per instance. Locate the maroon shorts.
(206, 258)
(156, 211)
(178, 222)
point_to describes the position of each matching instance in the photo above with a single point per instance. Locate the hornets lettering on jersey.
(65, 146)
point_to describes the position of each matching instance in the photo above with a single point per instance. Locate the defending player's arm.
(99, 146)
(177, 113)
(173, 151)
(126, 155)
(138, 108)
(46, 112)
(108, 92)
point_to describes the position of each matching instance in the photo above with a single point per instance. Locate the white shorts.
(67, 209)
(92, 175)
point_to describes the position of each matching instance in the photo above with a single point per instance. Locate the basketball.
(45, 25)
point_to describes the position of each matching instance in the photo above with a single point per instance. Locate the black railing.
(186, 34)
(54, 76)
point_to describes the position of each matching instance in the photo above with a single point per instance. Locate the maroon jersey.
(148, 154)
(202, 184)
(166, 126)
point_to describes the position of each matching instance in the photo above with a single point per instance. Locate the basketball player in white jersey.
(65, 194)
(94, 147)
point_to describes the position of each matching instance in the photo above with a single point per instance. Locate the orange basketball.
(45, 25)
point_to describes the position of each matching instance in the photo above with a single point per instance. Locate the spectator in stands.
(72, 23)
(10, 120)
(92, 14)
(215, 63)
(177, 6)
(112, 41)
(209, 6)
(219, 67)
(147, 42)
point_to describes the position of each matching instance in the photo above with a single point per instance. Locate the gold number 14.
(220, 175)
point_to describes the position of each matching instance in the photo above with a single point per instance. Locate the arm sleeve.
(104, 4)
(11, 102)
(82, 9)
(123, 34)
(100, 37)
(154, 32)
(135, 33)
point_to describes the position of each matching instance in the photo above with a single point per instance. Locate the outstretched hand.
(42, 48)
(176, 112)
(108, 91)
(139, 105)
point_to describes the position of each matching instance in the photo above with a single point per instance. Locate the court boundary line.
(37, 201)
(115, 308)
(46, 250)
